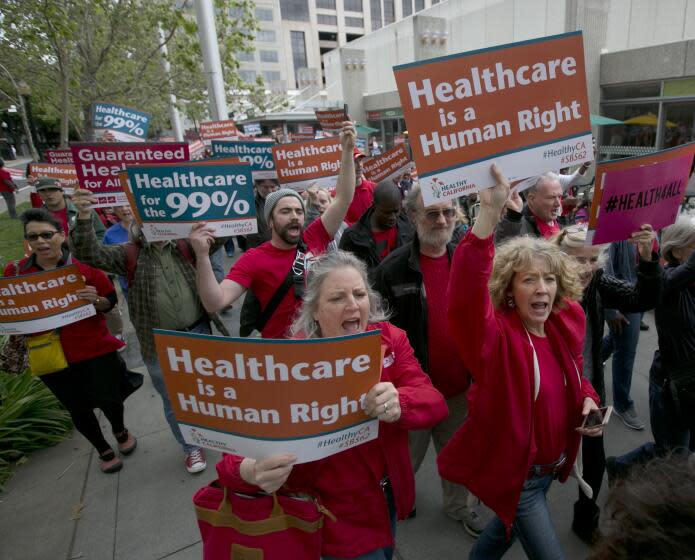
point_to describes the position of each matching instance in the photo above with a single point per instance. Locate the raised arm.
(334, 215)
(215, 296)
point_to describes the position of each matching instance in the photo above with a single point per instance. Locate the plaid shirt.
(142, 297)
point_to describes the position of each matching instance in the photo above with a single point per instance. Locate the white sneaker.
(195, 461)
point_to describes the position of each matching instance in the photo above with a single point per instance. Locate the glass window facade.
(325, 4)
(354, 21)
(389, 11)
(294, 10)
(266, 36)
(352, 5)
(245, 56)
(269, 56)
(375, 8)
(324, 19)
(407, 7)
(271, 76)
(264, 14)
(419, 5)
(298, 50)
(249, 76)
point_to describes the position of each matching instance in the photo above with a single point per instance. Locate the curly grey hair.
(304, 323)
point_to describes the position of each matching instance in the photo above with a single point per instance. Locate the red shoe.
(129, 443)
(109, 462)
(195, 461)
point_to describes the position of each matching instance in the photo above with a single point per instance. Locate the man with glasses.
(55, 201)
(414, 280)
(381, 229)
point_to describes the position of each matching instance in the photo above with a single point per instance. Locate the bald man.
(382, 228)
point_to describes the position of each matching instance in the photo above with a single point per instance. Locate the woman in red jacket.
(369, 486)
(95, 371)
(520, 331)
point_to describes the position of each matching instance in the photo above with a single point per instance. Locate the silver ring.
(386, 408)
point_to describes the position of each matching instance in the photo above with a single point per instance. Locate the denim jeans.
(380, 553)
(532, 526)
(623, 346)
(155, 370)
(11, 204)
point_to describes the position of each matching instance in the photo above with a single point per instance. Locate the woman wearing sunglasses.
(601, 291)
(94, 373)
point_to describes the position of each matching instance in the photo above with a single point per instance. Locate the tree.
(76, 52)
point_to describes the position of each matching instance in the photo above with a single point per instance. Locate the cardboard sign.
(258, 397)
(628, 163)
(218, 130)
(389, 165)
(331, 120)
(58, 156)
(253, 129)
(98, 165)
(116, 123)
(650, 194)
(64, 173)
(523, 106)
(305, 164)
(169, 199)
(258, 155)
(196, 149)
(301, 136)
(42, 301)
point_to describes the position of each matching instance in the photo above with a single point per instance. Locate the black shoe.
(643, 326)
(585, 522)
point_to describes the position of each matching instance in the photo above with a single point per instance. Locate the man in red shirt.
(265, 269)
(8, 190)
(364, 192)
(414, 280)
(381, 229)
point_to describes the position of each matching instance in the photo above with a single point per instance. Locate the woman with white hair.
(369, 486)
(602, 290)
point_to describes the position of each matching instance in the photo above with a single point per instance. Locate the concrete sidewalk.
(60, 506)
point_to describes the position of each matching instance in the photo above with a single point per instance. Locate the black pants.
(593, 466)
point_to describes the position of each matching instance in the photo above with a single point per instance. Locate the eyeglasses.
(433, 215)
(47, 235)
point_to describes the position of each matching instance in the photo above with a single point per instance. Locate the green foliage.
(75, 52)
(31, 418)
(11, 245)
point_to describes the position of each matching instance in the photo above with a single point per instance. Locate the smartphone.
(597, 417)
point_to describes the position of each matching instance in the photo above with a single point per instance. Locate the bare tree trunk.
(27, 129)
(64, 110)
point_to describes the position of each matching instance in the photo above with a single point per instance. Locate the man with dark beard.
(414, 281)
(274, 271)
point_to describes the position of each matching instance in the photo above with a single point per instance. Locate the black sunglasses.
(47, 235)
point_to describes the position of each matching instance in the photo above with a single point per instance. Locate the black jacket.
(605, 291)
(515, 224)
(399, 281)
(263, 234)
(359, 241)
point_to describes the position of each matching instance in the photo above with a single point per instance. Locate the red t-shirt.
(550, 410)
(445, 366)
(89, 337)
(385, 241)
(364, 196)
(62, 215)
(264, 268)
(547, 231)
(5, 176)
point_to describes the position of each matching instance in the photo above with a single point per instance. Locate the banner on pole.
(522, 105)
(258, 155)
(305, 164)
(258, 397)
(169, 199)
(116, 123)
(42, 301)
(331, 120)
(98, 165)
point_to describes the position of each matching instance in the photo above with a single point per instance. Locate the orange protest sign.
(522, 105)
(216, 130)
(331, 120)
(42, 301)
(389, 165)
(257, 397)
(631, 163)
(65, 173)
(305, 164)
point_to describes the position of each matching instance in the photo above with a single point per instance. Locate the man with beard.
(414, 280)
(274, 271)
(381, 229)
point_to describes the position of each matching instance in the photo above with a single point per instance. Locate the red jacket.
(491, 453)
(348, 483)
(361, 201)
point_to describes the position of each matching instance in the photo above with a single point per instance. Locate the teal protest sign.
(169, 199)
(116, 123)
(259, 155)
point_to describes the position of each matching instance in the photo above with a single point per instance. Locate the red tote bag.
(237, 526)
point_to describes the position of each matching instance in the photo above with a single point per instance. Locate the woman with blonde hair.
(514, 315)
(602, 290)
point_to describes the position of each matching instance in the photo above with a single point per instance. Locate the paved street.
(58, 506)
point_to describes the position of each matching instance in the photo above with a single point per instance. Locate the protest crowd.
(495, 315)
